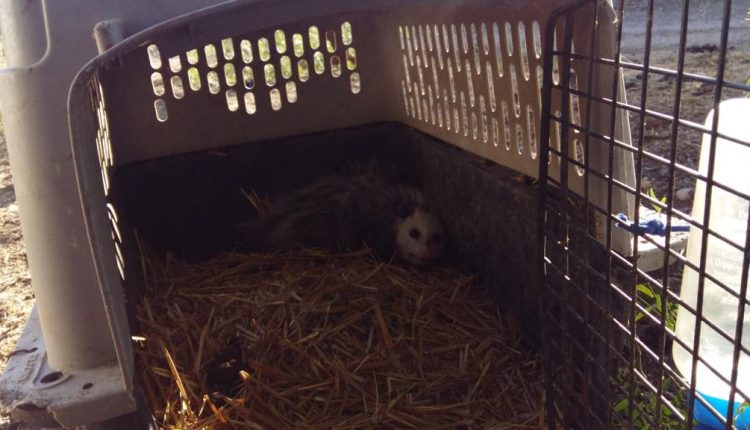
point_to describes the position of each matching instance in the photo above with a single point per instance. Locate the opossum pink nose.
(426, 254)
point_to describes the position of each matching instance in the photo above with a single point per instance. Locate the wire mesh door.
(659, 338)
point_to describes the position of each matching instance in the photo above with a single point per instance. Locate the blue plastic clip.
(652, 226)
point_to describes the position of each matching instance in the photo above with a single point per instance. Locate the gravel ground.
(16, 297)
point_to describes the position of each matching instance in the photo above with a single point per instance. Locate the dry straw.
(327, 342)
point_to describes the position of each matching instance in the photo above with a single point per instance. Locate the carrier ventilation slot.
(106, 163)
(481, 84)
(232, 65)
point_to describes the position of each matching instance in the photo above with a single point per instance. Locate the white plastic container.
(728, 217)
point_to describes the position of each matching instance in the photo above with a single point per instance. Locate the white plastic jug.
(728, 217)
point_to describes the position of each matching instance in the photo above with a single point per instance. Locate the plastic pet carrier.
(140, 122)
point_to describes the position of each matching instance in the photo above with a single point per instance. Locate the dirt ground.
(695, 104)
(16, 297)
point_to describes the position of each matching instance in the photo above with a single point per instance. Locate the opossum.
(345, 212)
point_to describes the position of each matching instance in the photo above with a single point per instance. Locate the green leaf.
(652, 194)
(621, 405)
(645, 289)
(657, 303)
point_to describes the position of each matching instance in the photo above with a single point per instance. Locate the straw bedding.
(323, 341)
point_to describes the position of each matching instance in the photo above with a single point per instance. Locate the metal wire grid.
(603, 370)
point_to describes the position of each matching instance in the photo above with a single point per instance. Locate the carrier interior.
(190, 205)
(185, 123)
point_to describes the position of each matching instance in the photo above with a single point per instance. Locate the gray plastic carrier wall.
(469, 73)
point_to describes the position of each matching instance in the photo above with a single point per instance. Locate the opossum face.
(419, 237)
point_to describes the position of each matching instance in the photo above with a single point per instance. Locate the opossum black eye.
(414, 233)
(437, 239)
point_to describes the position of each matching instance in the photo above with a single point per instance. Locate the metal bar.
(565, 66)
(707, 203)
(666, 72)
(541, 219)
(650, 113)
(626, 330)
(543, 175)
(745, 261)
(610, 187)
(588, 367)
(628, 297)
(738, 347)
(638, 169)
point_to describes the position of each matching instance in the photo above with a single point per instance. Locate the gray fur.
(339, 213)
